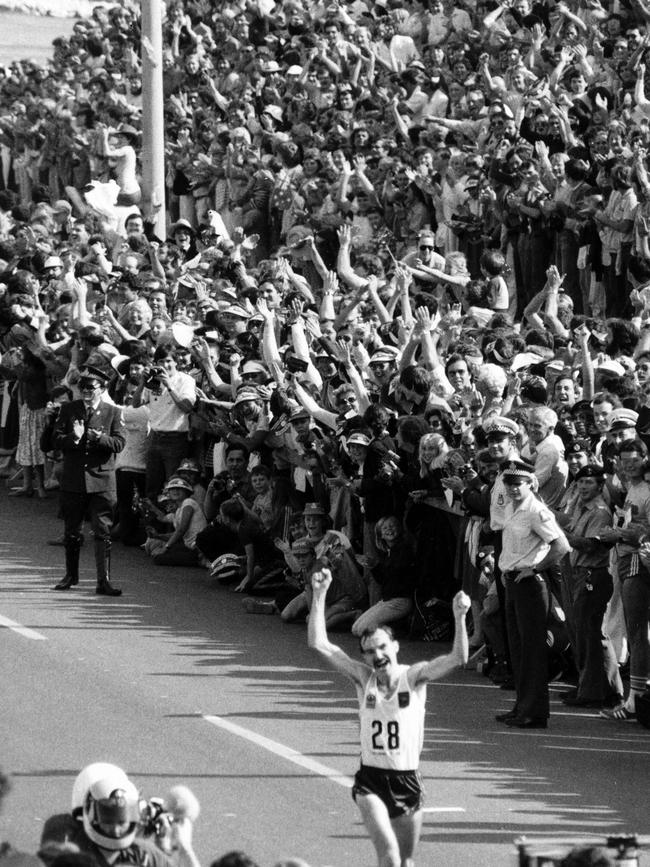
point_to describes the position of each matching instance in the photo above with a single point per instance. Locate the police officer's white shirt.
(392, 728)
(528, 531)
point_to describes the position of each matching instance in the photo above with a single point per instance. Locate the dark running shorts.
(401, 791)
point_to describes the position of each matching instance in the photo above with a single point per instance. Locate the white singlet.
(392, 729)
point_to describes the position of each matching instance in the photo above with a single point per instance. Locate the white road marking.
(25, 631)
(597, 750)
(281, 750)
(297, 758)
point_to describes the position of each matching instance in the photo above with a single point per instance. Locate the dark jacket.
(89, 467)
(396, 573)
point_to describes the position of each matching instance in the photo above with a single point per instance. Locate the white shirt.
(133, 455)
(165, 415)
(197, 523)
(527, 535)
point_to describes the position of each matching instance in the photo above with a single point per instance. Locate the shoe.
(618, 713)
(506, 684)
(52, 485)
(21, 492)
(568, 693)
(504, 717)
(499, 672)
(527, 722)
(58, 542)
(67, 584)
(105, 588)
(257, 606)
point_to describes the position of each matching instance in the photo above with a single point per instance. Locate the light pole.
(153, 127)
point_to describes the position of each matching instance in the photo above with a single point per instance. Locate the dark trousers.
(165, 451)
(98, 508)
(527, 605)
(130, 532)
(599, 678)
(616, 288)
(216, 539)
(534, 255)
(178, 555)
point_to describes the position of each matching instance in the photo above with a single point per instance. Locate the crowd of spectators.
(406, 242)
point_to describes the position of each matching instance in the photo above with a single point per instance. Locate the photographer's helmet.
(110, 805)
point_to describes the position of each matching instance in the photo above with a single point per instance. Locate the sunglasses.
(425, 247)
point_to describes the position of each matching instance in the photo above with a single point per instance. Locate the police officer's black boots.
(103, 564)
(72, 548)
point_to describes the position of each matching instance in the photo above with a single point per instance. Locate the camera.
(296, 365)
(152, 379)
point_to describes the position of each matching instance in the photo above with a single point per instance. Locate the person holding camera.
(109, 822)
(394, 574)
(170, 396)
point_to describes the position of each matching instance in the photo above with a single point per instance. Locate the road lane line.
(281, 750)
(25, 631)
(597, 750)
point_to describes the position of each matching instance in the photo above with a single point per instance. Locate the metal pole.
(153, 127)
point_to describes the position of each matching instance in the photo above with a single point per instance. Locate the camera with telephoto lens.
(156, 823)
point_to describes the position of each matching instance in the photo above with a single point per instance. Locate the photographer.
(108, 821)
(395, 576)
(218, 538)
(171, 396)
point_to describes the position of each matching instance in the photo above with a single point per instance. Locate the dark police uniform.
(88, 483)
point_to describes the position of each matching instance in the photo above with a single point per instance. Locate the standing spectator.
(546, 450)
(89, 432)
(590, 589)
(170, 396)
(532, 542)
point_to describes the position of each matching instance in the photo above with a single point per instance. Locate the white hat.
(253, 367)
(294, 70)
(358, 439)
(621, 418)
(525, 359)
(245, 394)
(53, 262)
(611, 366)
(236, 310)
(274, 110)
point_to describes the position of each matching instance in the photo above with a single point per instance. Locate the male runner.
(388, 787)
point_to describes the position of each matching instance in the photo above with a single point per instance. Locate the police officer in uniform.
(532, 541)
(501, 433)
(89, 432)
(388, 787)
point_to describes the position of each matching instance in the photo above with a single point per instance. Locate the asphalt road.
(175, 683)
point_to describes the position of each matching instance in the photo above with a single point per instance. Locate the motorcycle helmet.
(111, 810)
